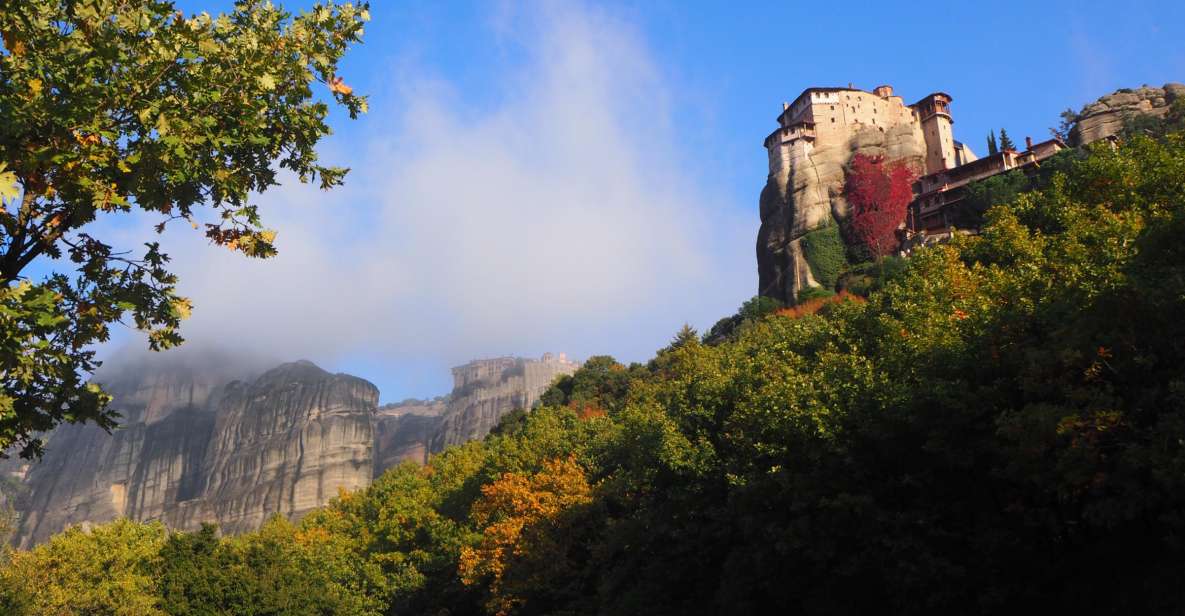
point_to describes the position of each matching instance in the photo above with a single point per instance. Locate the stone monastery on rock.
(824, 116)
(817, 136)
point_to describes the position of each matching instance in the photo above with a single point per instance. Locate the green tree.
(1065, 126)
(110, 569)
(1006, 141)
(109, 107)
(755, 308)
(601, 382)
(992, 147)
(685, 335)
(279, 569)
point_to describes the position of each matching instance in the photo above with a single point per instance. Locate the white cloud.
(567, 217)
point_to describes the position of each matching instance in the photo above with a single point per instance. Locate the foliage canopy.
(110, 107)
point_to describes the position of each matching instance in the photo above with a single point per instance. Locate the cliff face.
(402, 432)
(204, 441)
(1105, 117)
(144, 466)
(809, 152)
(286, 444)
(194, 446)
(485, 390)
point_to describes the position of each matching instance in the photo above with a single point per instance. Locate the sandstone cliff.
(205, 440)
(144, 466)
(1106, 116)
(487, 389)
(403, 431)
(285, 443)
(195, 446)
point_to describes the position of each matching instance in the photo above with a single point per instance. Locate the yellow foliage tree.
(109, 569)
(523, 532)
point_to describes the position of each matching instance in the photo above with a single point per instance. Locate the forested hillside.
(998, 427)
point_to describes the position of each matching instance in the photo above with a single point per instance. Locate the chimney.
(1028, 143)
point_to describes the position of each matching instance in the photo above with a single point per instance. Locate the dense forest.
(998, 425)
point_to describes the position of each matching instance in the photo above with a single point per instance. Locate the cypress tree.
(1005, 141)
(991, 143)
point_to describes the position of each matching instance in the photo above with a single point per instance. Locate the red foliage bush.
(878, 194)
(814, 305)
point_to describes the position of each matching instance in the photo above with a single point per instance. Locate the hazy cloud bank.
(565, 217)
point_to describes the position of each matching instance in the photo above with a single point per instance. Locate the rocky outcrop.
(202, 439)
(286, 443)
(145, 465)
(804, 196)
(487, 389)
(194, 445)
(403, 431)
(1106, 117)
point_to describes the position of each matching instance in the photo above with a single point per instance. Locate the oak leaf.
(336, 86)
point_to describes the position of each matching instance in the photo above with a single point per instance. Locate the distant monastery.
(832, 117)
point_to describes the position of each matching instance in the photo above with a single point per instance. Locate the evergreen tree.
(1006, 141)
(685, 335)
(991, 143)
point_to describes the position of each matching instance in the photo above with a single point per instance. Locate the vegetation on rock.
(878, 193)
(826, 254)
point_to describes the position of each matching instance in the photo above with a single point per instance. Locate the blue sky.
(584, 177)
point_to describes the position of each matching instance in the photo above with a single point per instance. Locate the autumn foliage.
(522, 538)
(815, 305)
(878, 193)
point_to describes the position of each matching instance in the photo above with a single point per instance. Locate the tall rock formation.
(146, 464)
(1106, 117)
(285, 443)
(203, 439)
(809, 153)
(403, 431)
(486, 389)
(196, 446)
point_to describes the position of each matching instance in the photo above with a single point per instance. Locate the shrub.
(825, 253)
(865, 278)
(879, 194)
(814, 304)
(752, 310)
(813, 293)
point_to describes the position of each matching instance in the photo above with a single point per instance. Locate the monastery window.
(833, 119)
